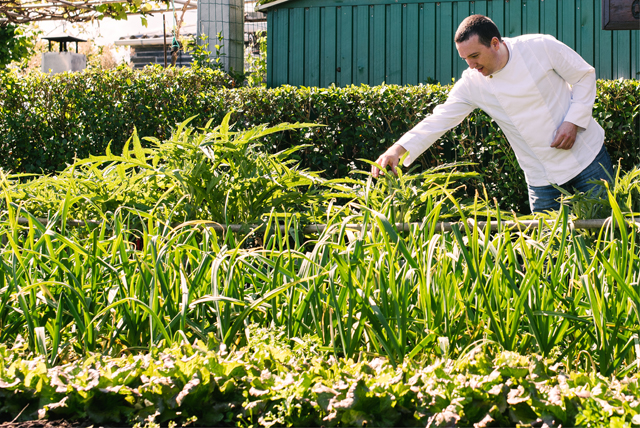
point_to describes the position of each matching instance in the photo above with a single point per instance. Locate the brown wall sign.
(621, 14)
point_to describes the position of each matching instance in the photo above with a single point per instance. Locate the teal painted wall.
(411, 42)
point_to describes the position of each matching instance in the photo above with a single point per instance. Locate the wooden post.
(164, 46)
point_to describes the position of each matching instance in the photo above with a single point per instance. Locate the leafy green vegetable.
(214, 174)
(271, 383)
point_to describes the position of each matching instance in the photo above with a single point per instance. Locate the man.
(541, 94)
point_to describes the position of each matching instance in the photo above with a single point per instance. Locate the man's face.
(478, 56)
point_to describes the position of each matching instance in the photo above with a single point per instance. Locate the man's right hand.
(389, 158)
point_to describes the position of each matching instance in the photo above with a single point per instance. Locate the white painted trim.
(141, 42)
(263, 7)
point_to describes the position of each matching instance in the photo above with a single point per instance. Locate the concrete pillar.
(225, 17)
(59, 62)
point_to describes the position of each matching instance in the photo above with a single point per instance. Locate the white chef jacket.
(543, 84)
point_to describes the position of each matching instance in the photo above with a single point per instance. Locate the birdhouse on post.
(63, 60)
(621, 14)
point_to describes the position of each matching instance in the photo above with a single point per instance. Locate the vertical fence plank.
(444, 15)
(605, 65)
(429, 61)
(614, 55)
(270, 49)
(513, 18)
(577, 8)
(346, 45)
(323, 37)
(312, 51)
(282, 47)
(410, 44)
(421, 42)
(338, 52)
(496, 13)
(461, 10)
(361, 57)
(378, 47)
(480, 7)
(635, 55)
(623, 52)
(531, 17)
(393, 62)
(586, 31)
(596, 40)
(328, 54)
(296, 53)
(566, 24)
(549, 18)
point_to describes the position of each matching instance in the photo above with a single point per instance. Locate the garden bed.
(273, 383)
(140, 313)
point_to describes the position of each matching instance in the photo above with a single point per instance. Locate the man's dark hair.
(478, 25)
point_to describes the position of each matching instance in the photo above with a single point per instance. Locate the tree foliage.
(14, 44)
(25, 11)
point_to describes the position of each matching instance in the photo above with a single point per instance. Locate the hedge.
(46, 121)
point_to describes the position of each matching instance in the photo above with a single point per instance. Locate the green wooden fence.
(320, 42)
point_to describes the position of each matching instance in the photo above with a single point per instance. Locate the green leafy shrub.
(209, 174)
(46, 121)
(617, 109)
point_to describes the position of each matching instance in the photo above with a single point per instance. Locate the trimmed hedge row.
(46, 121)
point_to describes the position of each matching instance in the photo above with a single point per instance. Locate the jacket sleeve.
(444, 117)
(579, 74)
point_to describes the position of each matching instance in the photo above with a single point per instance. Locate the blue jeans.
(546, 198)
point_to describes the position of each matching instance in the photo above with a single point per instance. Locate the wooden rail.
(494, 225)
(402, 227)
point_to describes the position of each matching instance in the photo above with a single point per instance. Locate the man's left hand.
(565, 136)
